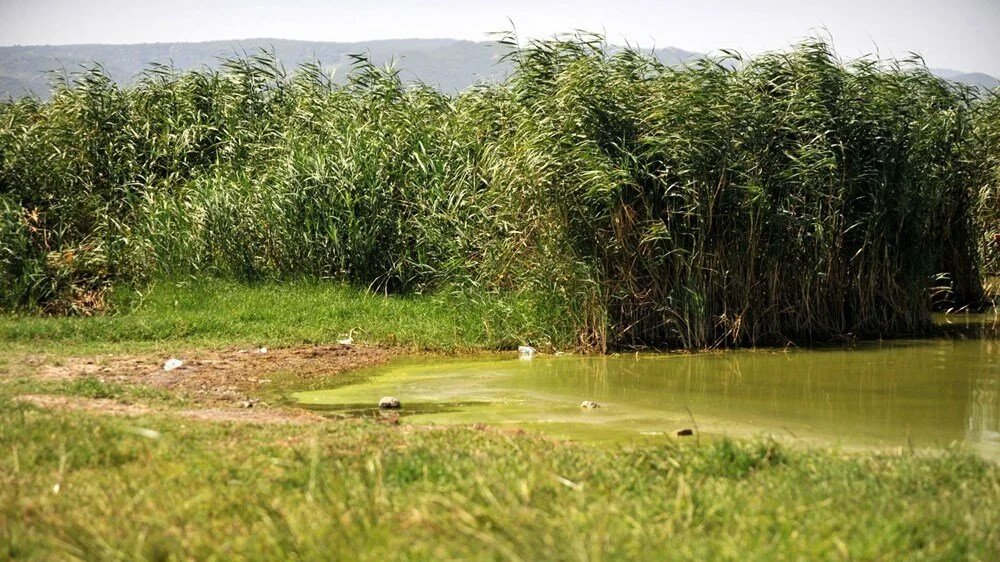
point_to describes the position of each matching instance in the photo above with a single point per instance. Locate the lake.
(919, 394)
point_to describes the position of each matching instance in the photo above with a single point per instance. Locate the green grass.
(92, 388)
(372, 492)
(226, 314)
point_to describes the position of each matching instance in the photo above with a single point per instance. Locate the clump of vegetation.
(789, 197)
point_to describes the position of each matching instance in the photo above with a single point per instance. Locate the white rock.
(389, 403)
(526, 352)
(262, 350)
(172, 364)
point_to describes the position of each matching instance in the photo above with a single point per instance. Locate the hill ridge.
(449, 64)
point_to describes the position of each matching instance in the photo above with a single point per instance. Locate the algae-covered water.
(912, 393)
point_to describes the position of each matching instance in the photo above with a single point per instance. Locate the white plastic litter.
(145, 432)
(349, 340)
(568, 483)
(526, 352)
(172, 364)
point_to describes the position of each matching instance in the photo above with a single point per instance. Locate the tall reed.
(988, 215)
(791, 197)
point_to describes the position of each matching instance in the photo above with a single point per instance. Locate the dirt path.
(116, 408)
(221, 384)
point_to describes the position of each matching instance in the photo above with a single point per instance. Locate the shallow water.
(914, 393)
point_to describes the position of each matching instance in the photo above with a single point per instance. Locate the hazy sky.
(959, 34)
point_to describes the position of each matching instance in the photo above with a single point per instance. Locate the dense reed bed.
(988, 214)
(792, 197)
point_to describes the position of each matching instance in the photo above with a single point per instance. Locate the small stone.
(589, 405)
(389, 403)
(685, 433)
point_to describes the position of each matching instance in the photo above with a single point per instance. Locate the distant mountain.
(448, 64)
(970, 78)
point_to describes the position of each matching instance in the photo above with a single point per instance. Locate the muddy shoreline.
(216, 385)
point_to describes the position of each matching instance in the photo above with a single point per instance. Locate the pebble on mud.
(589, 405)
(685, 432)
(389, 403)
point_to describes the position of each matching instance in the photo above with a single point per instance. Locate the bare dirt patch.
(229, 376)
(115, 408)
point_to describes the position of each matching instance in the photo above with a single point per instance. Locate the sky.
(958, 34)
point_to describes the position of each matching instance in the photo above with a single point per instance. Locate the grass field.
(222, 313)
(81, 486)
(141, 478)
